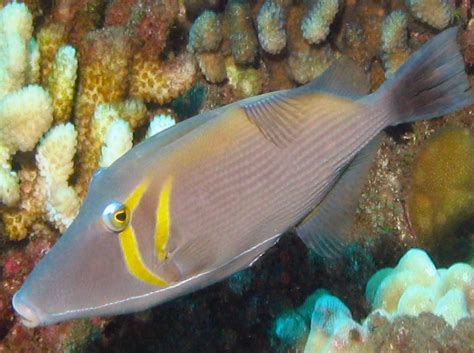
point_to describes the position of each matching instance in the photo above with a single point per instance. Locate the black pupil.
(120, 216)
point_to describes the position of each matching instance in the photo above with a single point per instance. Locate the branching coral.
(16, 26)
(159, 123)
(394, 41)
(212, 66)
(437, 13)
(55, 163)
(24, 116)
(104, 60)
(246, 81)
(61, 83)
(153, 27)
(305, 61)
(50, 37)
(271, 27)
(315, 24)
(205, 34)
(117, 142)
(153, 80)
(242, 34)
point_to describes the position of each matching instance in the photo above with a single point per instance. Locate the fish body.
(204, 199)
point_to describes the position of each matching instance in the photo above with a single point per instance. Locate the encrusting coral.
(441, 200)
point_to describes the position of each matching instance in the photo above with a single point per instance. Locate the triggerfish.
(207, 197)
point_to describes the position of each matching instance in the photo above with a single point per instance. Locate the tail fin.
(431, 83)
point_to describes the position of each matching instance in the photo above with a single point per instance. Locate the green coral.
(441, 202)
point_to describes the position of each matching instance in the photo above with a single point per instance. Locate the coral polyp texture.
(441, 200)
(271, 27)
(83, 81)
(315, 24)
(436, 13)
(394, 43)
(205, 34)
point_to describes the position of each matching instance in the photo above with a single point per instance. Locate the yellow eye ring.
(116, 216)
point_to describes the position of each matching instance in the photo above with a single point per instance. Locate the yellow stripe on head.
(129, 244)
(163, 220)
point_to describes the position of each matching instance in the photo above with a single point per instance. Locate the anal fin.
(327, 228)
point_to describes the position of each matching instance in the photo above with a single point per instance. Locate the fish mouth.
(27, 313)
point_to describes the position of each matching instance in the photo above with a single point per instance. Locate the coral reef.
(137, 64)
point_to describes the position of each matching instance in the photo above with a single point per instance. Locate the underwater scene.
(243, 176)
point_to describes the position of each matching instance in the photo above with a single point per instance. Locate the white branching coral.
(55, 163)
(16, 27)
(315, 25)
(33, 73)
(159, 123)
(61, 82)
(25, 115)
(117, 142)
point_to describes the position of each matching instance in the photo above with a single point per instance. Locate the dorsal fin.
(343, 78)
(280, 116)
(326, 229)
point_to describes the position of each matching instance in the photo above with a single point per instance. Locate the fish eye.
(116, 216)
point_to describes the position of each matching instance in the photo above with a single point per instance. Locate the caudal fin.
(431, 83)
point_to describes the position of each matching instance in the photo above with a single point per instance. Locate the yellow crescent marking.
(129, 245)
(163, 220)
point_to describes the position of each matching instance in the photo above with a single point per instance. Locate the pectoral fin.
(280, 116)
(326, 229)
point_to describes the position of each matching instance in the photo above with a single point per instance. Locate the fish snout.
(27, 313)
